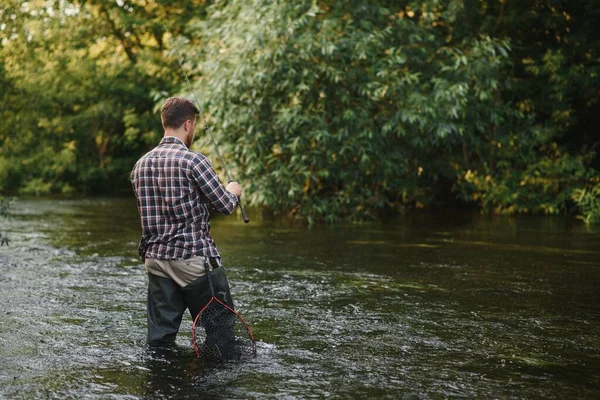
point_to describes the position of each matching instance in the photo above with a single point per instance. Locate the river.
(427, 305)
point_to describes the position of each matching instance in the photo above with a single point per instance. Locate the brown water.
(425, 306)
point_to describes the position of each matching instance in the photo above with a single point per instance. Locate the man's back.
(174, 188)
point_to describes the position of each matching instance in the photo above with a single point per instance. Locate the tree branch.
(130, 54)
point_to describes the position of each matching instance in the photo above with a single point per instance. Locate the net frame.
(216, 302)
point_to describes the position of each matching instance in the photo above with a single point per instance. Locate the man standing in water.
(174, 187)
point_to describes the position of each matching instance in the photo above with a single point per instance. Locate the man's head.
(179, 115)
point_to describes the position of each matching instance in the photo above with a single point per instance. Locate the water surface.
(425, 306)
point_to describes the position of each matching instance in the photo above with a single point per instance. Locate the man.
(175, 187)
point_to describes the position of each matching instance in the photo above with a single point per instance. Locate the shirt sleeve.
(207, 180)
(142, 248)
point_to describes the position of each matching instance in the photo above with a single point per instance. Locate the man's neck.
(178, 133)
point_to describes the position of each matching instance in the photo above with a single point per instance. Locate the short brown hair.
(176, 111)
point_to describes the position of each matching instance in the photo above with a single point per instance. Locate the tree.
(80, 80)
(328, 110)
(342, 109)
(347, 109)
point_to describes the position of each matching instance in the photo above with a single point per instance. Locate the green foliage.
(324, 110)
(534, 163)
(80, 82)
(333, 111)
(588, 200)
(345, 109)
(526, 182)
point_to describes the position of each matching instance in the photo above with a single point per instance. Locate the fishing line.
(206, 126)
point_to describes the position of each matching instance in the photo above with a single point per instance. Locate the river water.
(422, 306)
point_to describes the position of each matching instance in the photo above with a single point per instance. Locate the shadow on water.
(424, 306)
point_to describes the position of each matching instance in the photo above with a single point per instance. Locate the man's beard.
(189, 139)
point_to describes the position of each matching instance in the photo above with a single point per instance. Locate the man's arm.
(223, 199)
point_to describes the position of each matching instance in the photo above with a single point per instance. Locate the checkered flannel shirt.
(174, 188)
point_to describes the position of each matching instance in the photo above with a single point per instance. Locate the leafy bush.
(325, 110)
(341, 111)
(588, 201)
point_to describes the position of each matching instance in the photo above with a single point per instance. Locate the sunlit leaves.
(349, 89)
(324, 110)
(78, 110)
(588, 201)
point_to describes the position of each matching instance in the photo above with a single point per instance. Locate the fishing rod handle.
(244, 215)
(208, 270)
(239, 203)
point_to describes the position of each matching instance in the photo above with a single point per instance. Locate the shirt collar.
(172, 140)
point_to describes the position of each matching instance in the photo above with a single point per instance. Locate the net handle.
(208, 270)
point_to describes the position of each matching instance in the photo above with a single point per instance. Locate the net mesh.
(219, 333)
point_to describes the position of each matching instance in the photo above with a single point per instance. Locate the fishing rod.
(207, 127)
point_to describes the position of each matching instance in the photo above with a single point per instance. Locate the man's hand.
(235, 188)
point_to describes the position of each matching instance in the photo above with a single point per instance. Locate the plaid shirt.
(174, 188)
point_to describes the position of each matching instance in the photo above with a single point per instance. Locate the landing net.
(219, 333)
